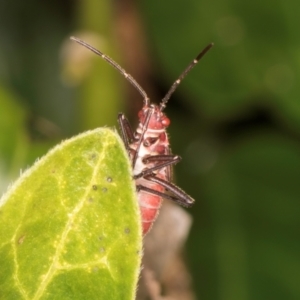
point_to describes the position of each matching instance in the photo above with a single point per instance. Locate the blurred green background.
(235, 119)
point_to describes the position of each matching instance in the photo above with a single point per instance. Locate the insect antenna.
(183, 74)
(116, 66)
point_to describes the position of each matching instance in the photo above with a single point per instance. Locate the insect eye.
(165, 121)
(150, 141)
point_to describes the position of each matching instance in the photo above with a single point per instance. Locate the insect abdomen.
(149, 204)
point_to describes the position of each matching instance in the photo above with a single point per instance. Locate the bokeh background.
(235, 119)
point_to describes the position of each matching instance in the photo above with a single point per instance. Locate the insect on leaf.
(148, 146)
(70, 225)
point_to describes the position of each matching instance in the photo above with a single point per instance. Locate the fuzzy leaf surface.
(70, 225)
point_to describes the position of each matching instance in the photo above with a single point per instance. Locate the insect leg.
(157, 193)
(181, 201)
(178, 195)
(126, 131)
(167, 160)
(161, 157)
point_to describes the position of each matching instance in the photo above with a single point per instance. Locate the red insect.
(148, 147)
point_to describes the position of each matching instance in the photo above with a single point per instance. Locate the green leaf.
(70, 226)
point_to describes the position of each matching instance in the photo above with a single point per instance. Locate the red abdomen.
(149, 204)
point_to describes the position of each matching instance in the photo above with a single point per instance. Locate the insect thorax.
(150, 137)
